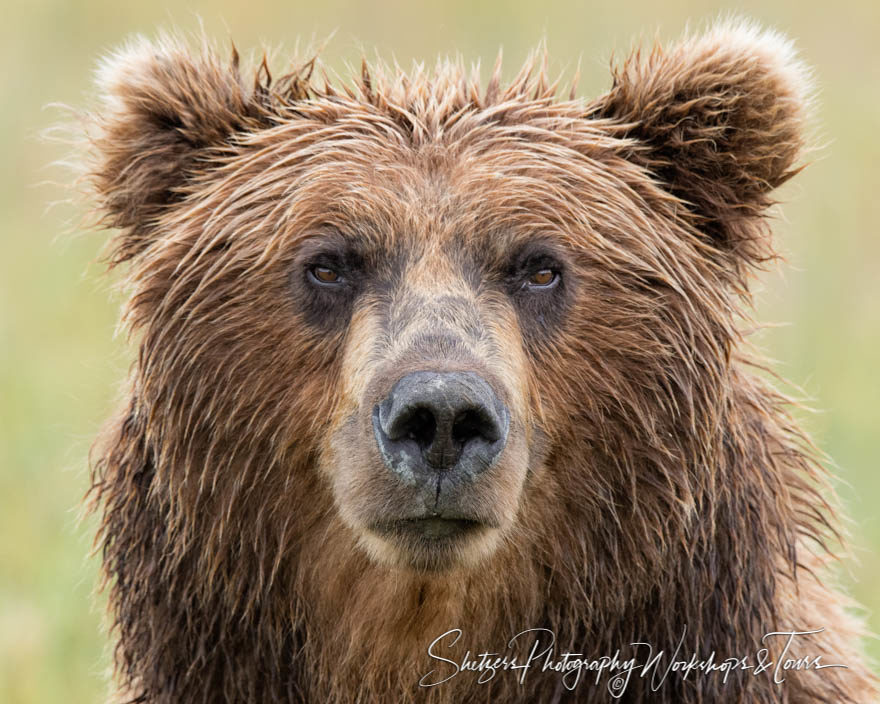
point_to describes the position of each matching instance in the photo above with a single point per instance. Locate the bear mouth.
(436, 543)
(430, 529)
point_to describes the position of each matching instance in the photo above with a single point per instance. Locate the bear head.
(423, 319)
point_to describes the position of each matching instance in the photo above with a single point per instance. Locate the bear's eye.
(545, 278)
(325, 275)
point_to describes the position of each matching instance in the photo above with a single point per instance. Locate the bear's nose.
(435, 422)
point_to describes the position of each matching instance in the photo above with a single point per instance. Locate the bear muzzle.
(438, 433)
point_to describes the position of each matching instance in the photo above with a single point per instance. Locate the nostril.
(472, 424)
(418, 424)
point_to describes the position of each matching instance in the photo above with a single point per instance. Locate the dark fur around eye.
(541, 307)
(326, 278)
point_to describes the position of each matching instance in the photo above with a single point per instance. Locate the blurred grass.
(60, 363)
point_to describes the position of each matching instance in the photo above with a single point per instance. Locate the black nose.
(440, 422)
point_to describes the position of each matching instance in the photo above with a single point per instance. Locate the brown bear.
(441, 392)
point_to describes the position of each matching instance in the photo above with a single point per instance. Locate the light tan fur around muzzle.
(437, 322)
(432, 321)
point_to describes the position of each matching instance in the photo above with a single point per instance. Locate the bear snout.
(440, 425)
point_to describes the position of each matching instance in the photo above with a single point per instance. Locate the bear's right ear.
(163, 106)
(718, 120)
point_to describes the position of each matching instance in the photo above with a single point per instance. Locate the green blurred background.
(61, 364)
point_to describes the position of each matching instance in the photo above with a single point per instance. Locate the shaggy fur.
(654, 488)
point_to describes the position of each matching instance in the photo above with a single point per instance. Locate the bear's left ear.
(718, 119)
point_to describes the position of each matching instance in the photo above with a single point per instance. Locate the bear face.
(434, 226)
(461, 344)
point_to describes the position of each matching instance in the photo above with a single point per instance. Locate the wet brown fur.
(659, 482)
